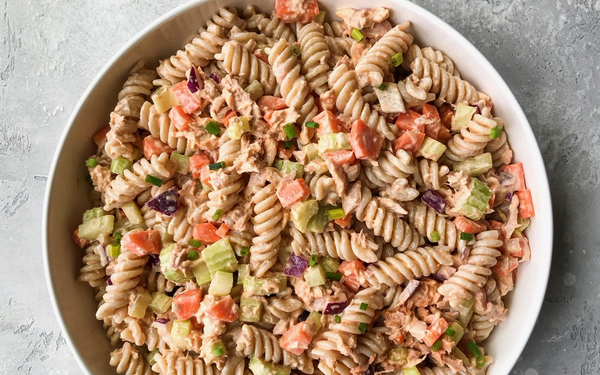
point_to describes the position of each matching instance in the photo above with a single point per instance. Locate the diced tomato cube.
(292, 11)
(467, 225)
(410, 141)
(222, 231)
(272, 102)
(206, 233)
(343, 222)
(205, 176)
(142, 242)
(282, 153)
(516, 170)
(188, 100)
(260, 53)
(340, 157)
(525, 204)
(505, 265)
(365, 142)
(197, 162)
(79, 241)
(328, 123)
(352, 272)
(179, 118)
(446, 115)
(228, 116)
(225, 310)
(292, 191)
(296, 339)
(100, 135)
(186, 304)
(398, 337)
(407, 121)
(435, 330)
(434, 125)
(154, 146)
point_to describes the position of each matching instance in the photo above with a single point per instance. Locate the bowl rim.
(543, 190)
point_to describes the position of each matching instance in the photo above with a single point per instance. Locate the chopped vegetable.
(237, 127)
(526, 209)
(382, 86)
(179, 331)
(343, 222)
(397, 59)
(225, 310)
(244, 251)
(260, 367)
(330, 264)
(153, 180)
(334, 142)
(302, 212)
(409, 141)
(170, 273)
(327, 123)
(296, 51)
(194, 243)
(142, 242)
(160, 302)
(164, 99)
(362, 327)
(289, 130)
(296, 265)
(466, 236)
(225, 120)
(495, 132)
(182, 163)
(114, 250)
(287, 167)
(390, 99)
(315, 317)
(435, 236)
(220, 257)
(265, 286)
(311, 124)
(189, 102)
(217, 215)
(221, 283)
(435, 330)
(480, 361)
(465, 311)
(411, 371)
(215, 166)
(516, 170)
(202, 273)
(272, 102)
(297, 339)
(94, 227)
(473, 202)
(213, 128)
(460, 355)
(93, 213)
(193, 254)
(315, 276)
(431, 149)
(222, 231)
(120, 164)
(186, 304)
(100, 136)
(464, 114)
(505, 265)
(336, 213)
(91, 162)
(436, 346)
(434, 200)
(292, 191)
(179, 119)
(365, 142)
(473, 348)
(357, 35)
(192, 83)
(166, 203)
(351, 272)
(475, 166)
(340, 157)
(255, 90)
(205, 232)
(335, 276)
(320, 18)
(364, 306)
(466, 225)
(455, 332)
(197, 162)
(313, 260)
(407, 121)
(251, 308)
(337, 318)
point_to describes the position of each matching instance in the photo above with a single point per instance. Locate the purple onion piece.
(214, 76)
(161, 320)
(295, 266)
(479, 108)
(509, 196)
(335, 307)
(192, 83)
(108, 281)
(410, 289)
(165, 203)
(434, 200)
(465, 254)
(444, 273)
(153, 260)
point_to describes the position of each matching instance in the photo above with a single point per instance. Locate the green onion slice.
(397, 59)
(215, 166)
(495, 132)
(320, 18)
(213, 128)
(480, 361)
(313, 260)
(335, 276)
(117, 237)
(114, 250)
(193, 255)
(312, 124)
(435, 236)
(153, 180)
(382, 87)
(217, 215)
(218, 351)
(91, 162)
(450, 332)
(119, 165)
(289, 130)
(287, 145)
(466, 236)
(357, 35)
(364, 306)
(296, 51)
(436, 346)
(338, 319)
(195, 243)
(244, 251)
(362, 327)
(473, 348)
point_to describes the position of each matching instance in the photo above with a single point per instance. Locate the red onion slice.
(434, 200)
(295, 266)
(335, 307)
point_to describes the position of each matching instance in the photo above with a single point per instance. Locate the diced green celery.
(315, 276)
(265, 286)
(390, 99)
(165, 264)
(202, 273)
(238, 126)
(160, 302)
(124, 225)
(165, 237)
(260, 367)
(220, 257)
(93, 228)
(475, 166)
(164, 99)
(523, 224)
(311, 151)
(93, 213)
(217, 349)
(411, 371)
(176, 276)
(255, 90)
(463, 115)
(460, 355)
(287, 167)
(182, 162)
(458, 332)
(473, 202)
(315, 316)
(137, 307)
(330, 264)
(251, 308)
(179, 331)
(133, 213)
(431, 149)
(150, 357)
(302, 212)
(334, 142)
(465, 312)
(120, 164)
(221, 284)
(243, 272)
(398, 356)
(317, 223)
(320, 18)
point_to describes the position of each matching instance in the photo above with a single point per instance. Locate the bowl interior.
(67, 192)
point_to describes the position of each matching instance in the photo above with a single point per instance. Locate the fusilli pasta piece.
(472, 139)
(176, 363)
(314, 55)
(129, 361)
(426, 220)
(268, 224)
(159, 125)
(92, 271)
(275, 28)
(390, 168)
(234, 366)
(430, 174)
(500, 150)
(322, 188)
(180, 228)
(434, 56)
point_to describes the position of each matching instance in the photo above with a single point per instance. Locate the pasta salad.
(292, 194)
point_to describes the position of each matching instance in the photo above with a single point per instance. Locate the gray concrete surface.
(547, 51)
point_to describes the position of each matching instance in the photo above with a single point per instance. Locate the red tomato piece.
(340, 157)
(328, 123)
(205, 176)
(525, 204)
(296, 339)
(467, 225)
(410, 141)
(142, 242)
(186, 304)
(291, 11)
(154, 146)
(407, 121)
(206, 233)
(179, 118)
(352, 272)
(228, 116)
(516, 170)
(272, 102)
(343, 222)
(100, 135)
(197, 162)
(505, 265)
(365, 142)
(225, 310)
(189, 101)
(282, 153)
(79, 241)
(433, 127)
(435, 330)
(292, 192)
(222, 231)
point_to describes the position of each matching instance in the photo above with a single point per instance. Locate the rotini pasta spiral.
(156, 282)
(132, 182)
(500, 150)
(376, 63)
(315, 54)
(482, 324)
(371, 345)
(338, 47)
(472, 140)
(113, 331)
(275, 28)
(340, 243)
(234, 366)
(284, 305)
(334, 28)
(129, 361)
(180, 228)
(294, 87)
(471, 276)
(268, 218)
(322, 187)
(342, 366)
(409, 265)
(159, 125)
(174, 363)
(92, 271)
(429, 174)
(390, 168)
(434, 56)
(426, 220)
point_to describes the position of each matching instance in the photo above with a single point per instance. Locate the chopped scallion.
(436, 346)
(473, 348)
(91, 162)
(289, 130)
(357, 35)
(397, 59)
(215, 166)
(382, 87)
(153, 180)
(117, 237)
(114, 250)
(217, 215)
(313, 260)
(320, 18)
(287, 145)
(362, 327)
(218, 351)
(466, 236)
(338, 319)
(119, 165)
(495, 132)
(312, 124)
(435, 236)
(364, 306)
(193, 254)
(213, 128)
(296, 51)
(450, 332)
(244, 251)
(335, 276)
(336, 213)
(195, 243)
(480, 361)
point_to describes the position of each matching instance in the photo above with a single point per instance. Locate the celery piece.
(238, 126)
(139, 304)
(390, 99)
(398, 356)
(114, 250)
(334, 142)
(431, 149)
(160, 302)
(93, 228)
(336, 213)
(133, 213)
(255, 90)
(164, 99)
(473, 202)
(182, 162)
(260, 367)
(320, 18)
(165, 265)
(460, 355)
(120, 164)
(302, 212)
(316, 318)
(475, 166)
(124, 225)
(465, 312)
(251, 308)
(458, 332)
(243, 272)
(176, 276)
(411, 371)
(150, 357)
(220, 257)
(311, 151)
(330, 264)
(287, 167)
(317, 223)
(179, 331)
(202, 273)
(265, 286)
(93, 213)
(221, 284)
(463, 115)
(315, 276)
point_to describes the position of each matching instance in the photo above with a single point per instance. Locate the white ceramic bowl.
(66, 197)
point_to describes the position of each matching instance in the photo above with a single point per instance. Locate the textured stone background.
(546, 50)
